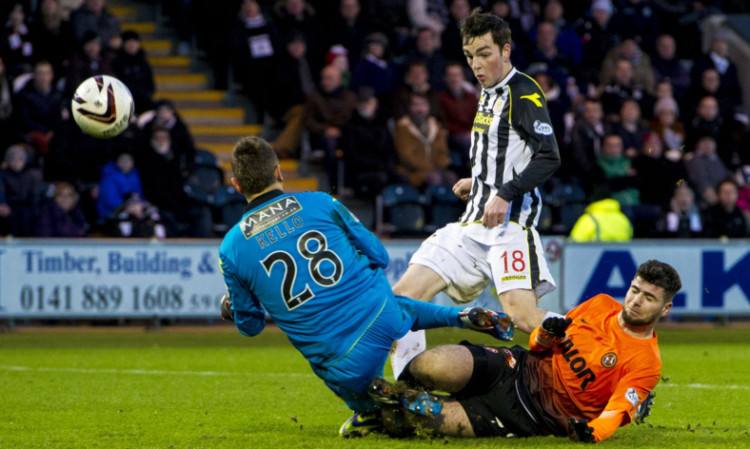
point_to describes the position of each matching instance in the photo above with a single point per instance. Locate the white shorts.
(514, 261)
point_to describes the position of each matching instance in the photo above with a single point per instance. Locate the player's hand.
(494, 212)
(556, 326)
(226, 308)
(579, 430)
(552, 332)
(462, 188)
(644, 409)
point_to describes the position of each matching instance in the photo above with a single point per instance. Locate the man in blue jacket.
(317, 271)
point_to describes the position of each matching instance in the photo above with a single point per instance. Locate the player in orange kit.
(584, 375)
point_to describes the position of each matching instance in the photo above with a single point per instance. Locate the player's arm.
(365, 241)
(249, 316)
(622, 405)
(530, 118)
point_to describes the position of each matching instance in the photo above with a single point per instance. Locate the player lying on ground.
(584, 375)
(318, 272)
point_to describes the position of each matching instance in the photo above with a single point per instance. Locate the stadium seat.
(399, 211)
(205, 179)
(570, 201)
(231, 206)
(445, 207)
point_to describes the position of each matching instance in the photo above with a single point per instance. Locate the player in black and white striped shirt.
(513, 151)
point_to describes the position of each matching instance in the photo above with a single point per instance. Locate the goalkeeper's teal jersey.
(317, 271)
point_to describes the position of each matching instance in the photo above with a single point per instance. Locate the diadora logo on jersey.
(270, 215)
(632, 396)
(609, 360)
(542, 128)
(534, 98)
(482, 122)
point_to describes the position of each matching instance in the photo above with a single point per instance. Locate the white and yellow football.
(102, 106)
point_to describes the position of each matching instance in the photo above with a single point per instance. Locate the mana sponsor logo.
(270, 215)
(542, 128)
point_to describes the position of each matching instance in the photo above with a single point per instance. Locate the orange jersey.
(599, 373)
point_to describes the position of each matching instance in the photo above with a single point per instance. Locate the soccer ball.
(102, 106)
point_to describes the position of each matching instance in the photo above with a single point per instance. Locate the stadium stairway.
(214, 123)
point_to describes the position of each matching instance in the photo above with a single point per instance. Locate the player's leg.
(452, 420)
(440, 260)
(419, 282)
(521, 306)
(446, 368)
(483, 402)
(521, 277)
(406, 348)
(425, 315)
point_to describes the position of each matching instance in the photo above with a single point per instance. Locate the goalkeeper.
(317, 271)
(584, 375)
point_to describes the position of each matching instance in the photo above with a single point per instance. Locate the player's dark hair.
(661, 275)
(478, 24)
(253, 164)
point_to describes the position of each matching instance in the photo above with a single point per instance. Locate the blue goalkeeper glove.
(579, 430)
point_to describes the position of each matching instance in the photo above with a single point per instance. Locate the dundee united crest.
(609, 360)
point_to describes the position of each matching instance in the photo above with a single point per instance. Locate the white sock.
(405, 349)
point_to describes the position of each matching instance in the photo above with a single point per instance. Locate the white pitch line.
(247, 373)
(146, 372)
(706, 387)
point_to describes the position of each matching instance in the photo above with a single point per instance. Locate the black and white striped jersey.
(513, 149)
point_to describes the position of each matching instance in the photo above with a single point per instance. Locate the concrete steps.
(194, 99)
(225, 134)
(182, 81)
(145, 30)
(157, 47)
(213, 124)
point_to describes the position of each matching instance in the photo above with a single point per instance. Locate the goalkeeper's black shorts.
(496, 399)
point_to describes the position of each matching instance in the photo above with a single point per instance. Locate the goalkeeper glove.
(226, 308)
(579, 430)
(552, 332)
(644, 409)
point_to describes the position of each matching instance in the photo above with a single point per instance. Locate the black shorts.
(495, 399)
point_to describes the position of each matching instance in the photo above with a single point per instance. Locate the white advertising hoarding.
(95, 278)
(129, 279)
(140, 279)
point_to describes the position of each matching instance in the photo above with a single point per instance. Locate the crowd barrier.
(121, 279)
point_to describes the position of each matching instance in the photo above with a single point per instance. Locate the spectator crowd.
(380, 91)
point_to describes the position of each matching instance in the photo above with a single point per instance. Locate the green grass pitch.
(213, 388)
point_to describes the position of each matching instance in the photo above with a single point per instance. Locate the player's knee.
(417, 371)
(446, 368)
